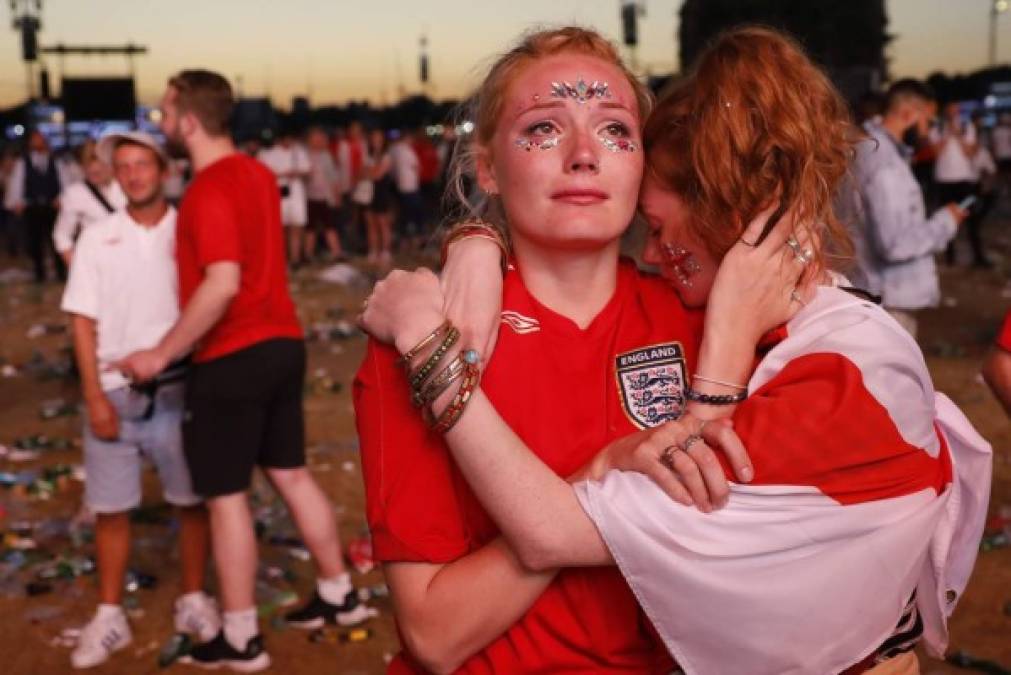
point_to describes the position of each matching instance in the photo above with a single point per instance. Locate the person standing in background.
(956, 143)
(33, 193)
(244, 389)
(86, 202)
(893, 237)
(323, 192)
(290, 164)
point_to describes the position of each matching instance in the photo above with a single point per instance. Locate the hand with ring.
(679, 457)
(760, 278)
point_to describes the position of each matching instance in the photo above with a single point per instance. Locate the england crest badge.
(651, 383)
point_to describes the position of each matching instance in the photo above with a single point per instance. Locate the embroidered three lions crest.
(651, 383)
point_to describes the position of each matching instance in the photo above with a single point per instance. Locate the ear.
(485, 170)
(187, 124)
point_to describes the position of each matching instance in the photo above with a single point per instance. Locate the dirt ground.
(954, 337)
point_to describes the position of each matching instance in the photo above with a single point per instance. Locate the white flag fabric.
(868, 487)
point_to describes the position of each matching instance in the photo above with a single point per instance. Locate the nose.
(584, 153)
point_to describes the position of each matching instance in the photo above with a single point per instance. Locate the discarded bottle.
(178, 645)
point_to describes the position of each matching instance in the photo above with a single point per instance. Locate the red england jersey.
(232, 212)
(567, 392)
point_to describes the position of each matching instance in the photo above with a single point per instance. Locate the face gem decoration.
(581, 92)
(524, 143)
(618, 144)
(683, 263)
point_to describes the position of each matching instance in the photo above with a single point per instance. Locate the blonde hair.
(485, 109)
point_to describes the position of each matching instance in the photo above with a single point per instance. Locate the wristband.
(716, 399)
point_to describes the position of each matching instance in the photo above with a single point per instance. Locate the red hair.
(756, 121)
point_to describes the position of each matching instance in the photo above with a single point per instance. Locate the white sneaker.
(101, 637)
(198, 615)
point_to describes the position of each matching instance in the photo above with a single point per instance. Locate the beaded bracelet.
(420, 375)
(451, 415)
(476, 228)
(716, 399)
(406, 359)
(439, 383)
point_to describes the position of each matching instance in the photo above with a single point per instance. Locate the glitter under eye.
(524, 143)
(618, 144)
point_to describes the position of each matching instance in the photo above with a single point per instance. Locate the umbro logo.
(520, 324)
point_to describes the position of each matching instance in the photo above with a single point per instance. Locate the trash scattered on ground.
(354, 635)
(322, 383)
(178, 645)
(343, 274)
(57, 407)
(946, 350)
(359, 552)
(39, 329)
(327, 331)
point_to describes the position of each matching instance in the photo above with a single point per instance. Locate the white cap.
(108, 144)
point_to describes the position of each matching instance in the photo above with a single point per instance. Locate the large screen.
(105, 98)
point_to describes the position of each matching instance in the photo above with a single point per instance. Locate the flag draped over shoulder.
(868, 487)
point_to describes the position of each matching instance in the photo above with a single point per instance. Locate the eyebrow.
(559, 103)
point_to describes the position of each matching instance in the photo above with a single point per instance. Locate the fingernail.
(747, 474)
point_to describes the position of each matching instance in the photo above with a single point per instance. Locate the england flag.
(859, 532)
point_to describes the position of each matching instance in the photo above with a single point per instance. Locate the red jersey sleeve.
(214, 228)
(410, 481)
(1004, 337)
(816, 424)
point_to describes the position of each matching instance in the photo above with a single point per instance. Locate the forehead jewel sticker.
(581, 92)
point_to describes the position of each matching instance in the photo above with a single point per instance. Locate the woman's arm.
(437, 610)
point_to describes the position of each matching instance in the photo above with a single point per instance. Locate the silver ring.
(690, 441)
(795, 296)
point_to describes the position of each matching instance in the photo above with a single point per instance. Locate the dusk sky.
(338, 50)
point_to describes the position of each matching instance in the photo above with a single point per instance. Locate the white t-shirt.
(406, 167)
(952, 164)
(79, 208)
(124, 277)
(1001, 137)
(282, 160)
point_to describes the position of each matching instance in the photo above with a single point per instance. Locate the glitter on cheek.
(618, 144)
(682, 262)
(524, 143)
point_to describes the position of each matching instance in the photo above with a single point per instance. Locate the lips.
(580, 196)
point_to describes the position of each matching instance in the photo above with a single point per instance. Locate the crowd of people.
(344, 192)
(552, 479)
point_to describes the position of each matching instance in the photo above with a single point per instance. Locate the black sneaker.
(319, 612)
(220, 653)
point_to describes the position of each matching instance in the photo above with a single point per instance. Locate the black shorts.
(242, 410)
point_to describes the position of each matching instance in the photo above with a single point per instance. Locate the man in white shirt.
(123, 296)
(323, 192)
(407, 176)
(86, 202)
(956, 144)
(290, 163)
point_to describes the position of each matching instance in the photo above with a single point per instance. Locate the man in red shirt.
(997, 367)
(244, 392)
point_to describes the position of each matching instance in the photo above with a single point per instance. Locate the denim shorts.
(149, 427)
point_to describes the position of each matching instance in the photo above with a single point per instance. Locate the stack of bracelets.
(716, 399)
(426, 388)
